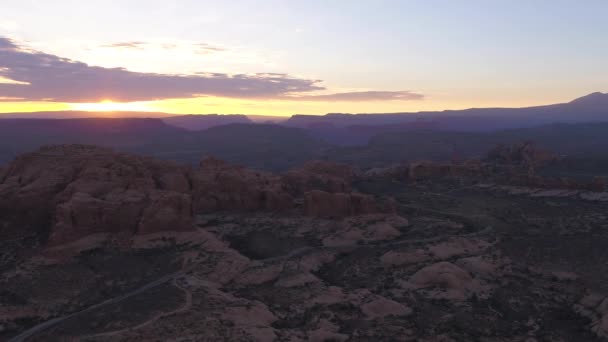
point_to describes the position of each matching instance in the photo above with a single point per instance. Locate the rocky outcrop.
(445, 280)
(426, 170)
(67, 192)
(319, 175)
(595, 307)
(217, 185)
(324, 204)
(526, 154)
(81, 190)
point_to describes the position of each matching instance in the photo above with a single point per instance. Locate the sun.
(110, 106)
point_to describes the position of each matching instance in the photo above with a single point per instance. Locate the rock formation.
(81, 190)
(67, 192)
(324, 204)
(319, 175)
(217, 185)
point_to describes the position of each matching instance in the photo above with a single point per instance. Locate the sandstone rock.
(64, 193)
(396, 258)
(479, 265)
(326, 332)
(453, 282)
(324, 204)
(167, 210)
(382, 307)
(363, 228)
(219, 186)
(259, 275)
(74, 191)
(319, 175)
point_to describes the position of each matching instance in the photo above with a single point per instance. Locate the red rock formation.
(526, 155)
(68, 192)
(324, 204)
(217, 185)
(426, 170)
(82, 190)
(319, 175)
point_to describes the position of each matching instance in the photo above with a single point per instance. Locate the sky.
(299, 57)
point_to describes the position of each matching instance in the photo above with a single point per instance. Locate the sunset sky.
(288, 57)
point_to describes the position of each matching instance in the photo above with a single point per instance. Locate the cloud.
(37, 76)
(363, 96)
(64, 80)
(125, 45)
(199, 48)
(204, 48)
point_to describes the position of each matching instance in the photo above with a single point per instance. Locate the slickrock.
(451, 281)
(382, 307)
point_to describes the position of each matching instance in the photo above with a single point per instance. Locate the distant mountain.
(261, 146)
(372, 139)
(201, 122)
(589, 140)
(191, 122)
(21, 135)
(592, 101)
(267, 118)
(590, 108)
(256, 145)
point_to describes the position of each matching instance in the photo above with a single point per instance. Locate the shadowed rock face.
(83, 190)
(319, 175)
(217, 185)
(324, 204)
(67, 192)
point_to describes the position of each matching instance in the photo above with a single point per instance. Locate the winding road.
(293, 254)
(45, 325)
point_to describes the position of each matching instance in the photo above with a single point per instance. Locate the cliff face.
(81, 190)
(66, 192)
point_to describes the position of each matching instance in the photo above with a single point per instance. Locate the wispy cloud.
(204, 48)
(64, 80)
(199, 48)
(125, 45)
(33, 75)
(363, 96)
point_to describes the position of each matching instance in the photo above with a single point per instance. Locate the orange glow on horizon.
(273, 107)
(111, 106)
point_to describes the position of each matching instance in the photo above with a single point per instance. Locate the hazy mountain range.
(573, 128)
